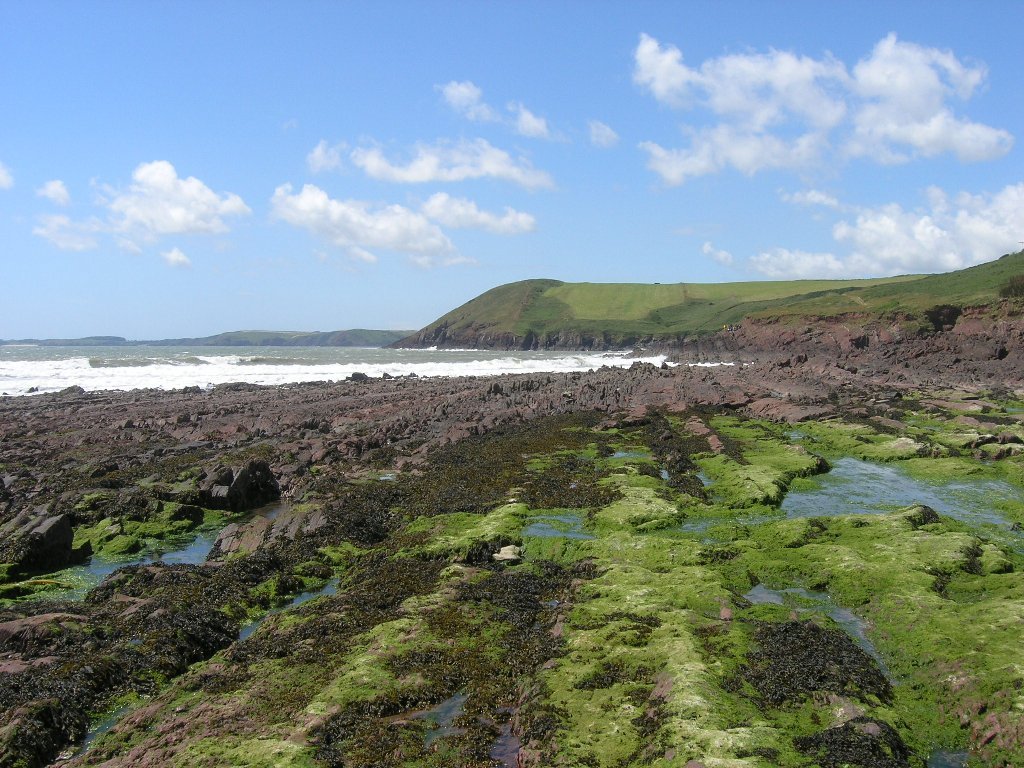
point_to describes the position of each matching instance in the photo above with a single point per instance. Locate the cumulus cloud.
(428, 261)
(6, 179)
(55, 192)
(602, 135)
(725, 146)
(69, 235)
(324, 157)
(904, 88)
(811, 197)
(784, 264)
(357, 226)
(466, 98)
(159, 202)
(460, 213)
(945, 234)
(722, 257)
(892, 107)
(448, 162)
(176, 258)
(757, 90)
(529, 124)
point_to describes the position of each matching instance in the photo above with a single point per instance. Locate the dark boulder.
(35, 540)
(861, 741)
(240, 489)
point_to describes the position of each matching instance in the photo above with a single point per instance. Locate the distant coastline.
(355, 337)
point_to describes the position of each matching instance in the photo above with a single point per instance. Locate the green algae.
(759, 466)
(839, 438)
(162, 527)
(633, 646)
(250, 753)
(455, 535)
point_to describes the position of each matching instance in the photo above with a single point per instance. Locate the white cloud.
(891, 108)
(158, 202)
(755, 90)
(722, 257)
(529, 124)
(467, 99)
(176, 258)
(55, 192)
(460, 214)
(904, 88)
(428, 261)
(324, 157)
(784, 264)
(725, 146)
(602, 135)
(661, 70)
(811, 197)
(943, 235)
(69, 235)
(6, 179)
(451, 162)
(356, 226)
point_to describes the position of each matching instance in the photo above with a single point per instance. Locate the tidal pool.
(804, 601)
(100, 727)
(854, 487)
(948, 759)
(631, 455)
(330, 588)
(557, 527)
(190, 549)
(442, 718)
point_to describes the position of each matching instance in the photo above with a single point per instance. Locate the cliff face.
(975, 346)
(568, 339)
(970, 333)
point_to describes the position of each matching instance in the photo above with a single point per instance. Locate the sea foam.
(126, 368)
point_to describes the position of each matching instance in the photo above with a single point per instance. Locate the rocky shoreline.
(362, 464)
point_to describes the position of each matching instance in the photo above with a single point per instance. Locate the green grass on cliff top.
(628, 311)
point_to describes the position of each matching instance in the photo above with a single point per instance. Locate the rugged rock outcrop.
(240, 489)
(36, 540)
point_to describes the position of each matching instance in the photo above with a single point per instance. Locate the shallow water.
(442, 717)
(807, 601)
(505, 749)
(192, 549)
(948, 759)
(99, 728)
(631, 455)
(854, 486)
(564, 527)
(330, 588)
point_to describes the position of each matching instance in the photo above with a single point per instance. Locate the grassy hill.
(549, 312)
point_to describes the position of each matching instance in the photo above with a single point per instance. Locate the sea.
(28, 369)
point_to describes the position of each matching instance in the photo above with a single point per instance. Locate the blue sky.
(186, 168)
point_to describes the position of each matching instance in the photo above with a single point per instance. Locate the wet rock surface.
(413, 498)
(798, 658)
(861, 741)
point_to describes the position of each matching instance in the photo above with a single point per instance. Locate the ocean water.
(30, 369)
